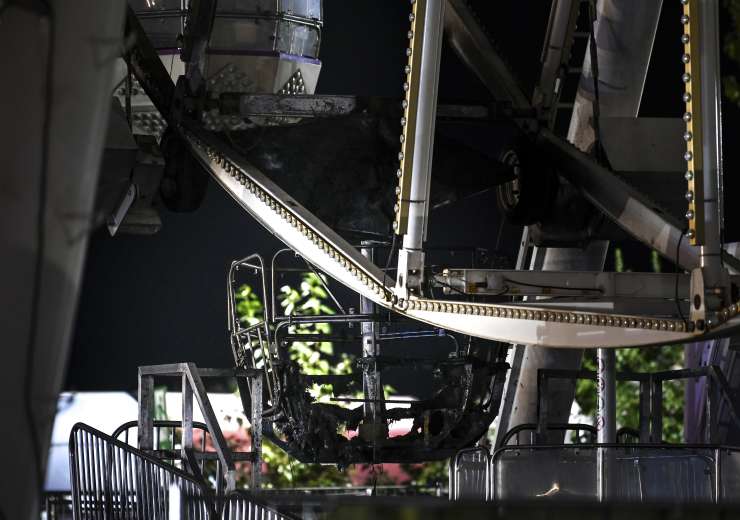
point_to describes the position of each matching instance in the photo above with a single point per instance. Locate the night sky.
(161, 298)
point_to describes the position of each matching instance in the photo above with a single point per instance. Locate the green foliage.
(285, 472)
(249, 308)
(427, 474)
(314, 358)
(731, 47)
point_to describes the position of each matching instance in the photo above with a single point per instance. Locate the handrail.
(713, 454)
(242, 505)
(157, 424)
(552, 426)
(112, 479)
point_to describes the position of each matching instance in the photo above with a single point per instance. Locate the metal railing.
(56, 506)
(469, 475)
(530, 429)
(639, 473)
(241, 505)
(112, 480)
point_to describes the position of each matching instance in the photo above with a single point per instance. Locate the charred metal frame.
(290, 414)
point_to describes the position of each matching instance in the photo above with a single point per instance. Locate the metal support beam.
(255, 419)
(371, 384)
(711, 119)
(187, 417)
(415, 172)
(515, 356)
(471, 43)
(555, 56)
(624, 37)
(656, 429)
(58, 60)
(627, 207)
(606, 398)
(148, 68)
(192, 386)
(524, 407)
(606, 415)
(146, 412)
(592, 284)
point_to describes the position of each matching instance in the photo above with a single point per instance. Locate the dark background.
(162, 299)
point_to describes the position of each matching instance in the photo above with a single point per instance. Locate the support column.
(61, 58)
(420, 115)
(606, 395)
(374, 408)
(624, 35)
(561, 391)
(606, 415)
(711, 125)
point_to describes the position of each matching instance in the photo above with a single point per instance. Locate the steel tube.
(628, 208)
(411, 257)
(606, 389)
(471, 43)
(711, 259)
(371, 386)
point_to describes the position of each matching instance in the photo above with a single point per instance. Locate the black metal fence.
(112, 480)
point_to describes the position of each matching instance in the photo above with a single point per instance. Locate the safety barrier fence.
(599, 472)
(241, 505)
(112, 480)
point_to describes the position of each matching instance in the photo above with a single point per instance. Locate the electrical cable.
(40, 255)
(555, 287)
(445, 284)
